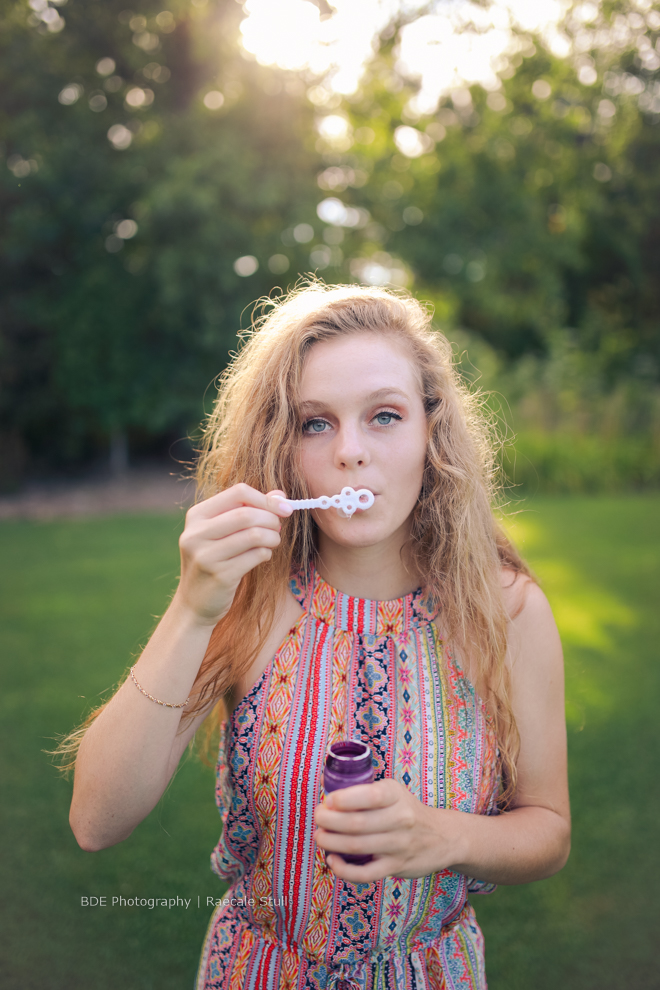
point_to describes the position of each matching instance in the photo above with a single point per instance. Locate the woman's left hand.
(405, 837)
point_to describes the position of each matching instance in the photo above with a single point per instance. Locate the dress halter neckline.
(360, 615)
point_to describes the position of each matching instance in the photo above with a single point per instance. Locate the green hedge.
(572, 464)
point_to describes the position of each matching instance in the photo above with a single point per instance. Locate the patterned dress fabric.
(349, 668)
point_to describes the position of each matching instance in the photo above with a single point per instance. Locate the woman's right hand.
(225, 537)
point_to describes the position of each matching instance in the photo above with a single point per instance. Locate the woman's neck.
(379, 573)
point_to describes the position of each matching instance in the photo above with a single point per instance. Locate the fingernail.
(285, 508)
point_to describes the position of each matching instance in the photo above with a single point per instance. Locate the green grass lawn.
(78, 598)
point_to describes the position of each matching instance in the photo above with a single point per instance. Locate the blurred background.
(163, 167)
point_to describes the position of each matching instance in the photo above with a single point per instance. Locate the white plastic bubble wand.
(347, 502)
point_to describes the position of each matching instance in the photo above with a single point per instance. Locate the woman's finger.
(362, 797)
(369, 873)
(215, 553)
(240, 565)
(233, 521)
(236, 496)
(357, 822)
(377, 844)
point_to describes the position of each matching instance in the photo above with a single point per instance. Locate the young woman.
(413, 626)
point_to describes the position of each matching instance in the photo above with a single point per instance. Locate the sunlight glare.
(291, 35)
(450, 46)
(465, 43)
(284, 33)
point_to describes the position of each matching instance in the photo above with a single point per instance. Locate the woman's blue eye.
(314, 426)
(385, 418)
(321, 425)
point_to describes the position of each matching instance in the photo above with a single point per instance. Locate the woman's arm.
(131, 750)
(125, 758)
(530, 842)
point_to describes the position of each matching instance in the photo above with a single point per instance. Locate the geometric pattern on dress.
(302, 760)
(315, 940)
(267, 769)
(359, 669)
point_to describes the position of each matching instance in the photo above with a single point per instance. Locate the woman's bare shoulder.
(533, 635)
(287, 613)
(529, 615)
(519, 591)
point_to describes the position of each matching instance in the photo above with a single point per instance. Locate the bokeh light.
(541, 89)
(138, 97)
(113, 244)
(120, 137)
(380, 269)
(213, 100)
(412, 215)
(165, 21)
(20, 167)
(303, 233)
(113, 84)
(333, 211)
(411, 142)
(70, 94)
(126, 229)
(106, 66)
(97, 101)
(246, 265)
(602, 172)
(44, 14)
(278, 264)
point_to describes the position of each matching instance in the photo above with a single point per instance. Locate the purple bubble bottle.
(348, 763)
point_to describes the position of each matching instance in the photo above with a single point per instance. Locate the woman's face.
(363, 425)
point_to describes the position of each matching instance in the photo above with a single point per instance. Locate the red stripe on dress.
(292, 847)
(307, 844)
(263, 982)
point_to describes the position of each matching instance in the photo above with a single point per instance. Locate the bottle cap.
(348, 756)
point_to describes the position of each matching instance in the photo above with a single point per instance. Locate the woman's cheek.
(312, 460)
(410, 469)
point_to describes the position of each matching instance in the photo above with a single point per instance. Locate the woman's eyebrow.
(313, 405)
(384, 393)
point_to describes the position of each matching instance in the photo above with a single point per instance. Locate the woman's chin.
(356, 533)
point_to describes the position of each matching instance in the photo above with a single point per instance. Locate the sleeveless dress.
(349, 668)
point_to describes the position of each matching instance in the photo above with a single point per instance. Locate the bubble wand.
(347, 502)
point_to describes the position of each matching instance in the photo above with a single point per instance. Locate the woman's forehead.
(366, 362)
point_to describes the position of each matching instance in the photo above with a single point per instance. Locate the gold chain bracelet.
(165, 704)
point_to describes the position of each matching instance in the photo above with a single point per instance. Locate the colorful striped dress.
(349, 668)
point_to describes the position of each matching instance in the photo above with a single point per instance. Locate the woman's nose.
(351, 450)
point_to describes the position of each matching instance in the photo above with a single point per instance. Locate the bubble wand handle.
(347, 501)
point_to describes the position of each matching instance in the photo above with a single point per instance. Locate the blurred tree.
(143, 156)
(526, 209)
(157, 180)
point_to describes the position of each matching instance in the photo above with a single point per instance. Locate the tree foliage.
(528, 209)
(145, 154)
(120, 301)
